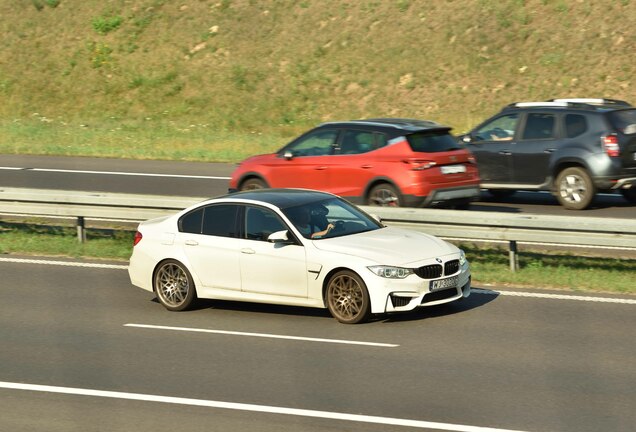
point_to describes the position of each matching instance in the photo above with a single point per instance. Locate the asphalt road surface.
(84, 350)
(211, 179)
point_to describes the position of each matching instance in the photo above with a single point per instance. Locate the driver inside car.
(301, 217)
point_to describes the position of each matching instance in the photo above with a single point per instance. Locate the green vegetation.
(489, 265)
(218, 80)
(62, 241)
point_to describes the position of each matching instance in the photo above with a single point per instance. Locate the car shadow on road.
(512, 203)
(476, 300)
(261, 308)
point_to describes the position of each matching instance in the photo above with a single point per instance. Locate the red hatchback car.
(385, 162)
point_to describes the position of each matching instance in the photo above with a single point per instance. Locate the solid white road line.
(554, 296)
(474, 290)
(421, 424)
(64, 263)
(263, 335)
(121, 173)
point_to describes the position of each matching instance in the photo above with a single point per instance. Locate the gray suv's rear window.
(624, 121)
(432, 142)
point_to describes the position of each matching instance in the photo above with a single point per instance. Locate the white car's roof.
(281, 198)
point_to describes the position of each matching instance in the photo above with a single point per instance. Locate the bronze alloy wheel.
(174, 286)
(347, 298)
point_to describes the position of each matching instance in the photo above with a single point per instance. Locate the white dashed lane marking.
(474, 290)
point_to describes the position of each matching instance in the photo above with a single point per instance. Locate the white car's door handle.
(248, 251)
(191, 243)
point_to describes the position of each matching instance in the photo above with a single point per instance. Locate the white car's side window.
(260, 223)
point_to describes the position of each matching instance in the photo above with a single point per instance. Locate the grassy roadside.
(489, 265)
(173, 80)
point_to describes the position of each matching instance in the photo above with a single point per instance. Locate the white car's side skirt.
(220, 294)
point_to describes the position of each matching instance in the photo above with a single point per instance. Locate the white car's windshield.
(332, 217)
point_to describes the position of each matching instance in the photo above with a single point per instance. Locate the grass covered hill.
(220, 79)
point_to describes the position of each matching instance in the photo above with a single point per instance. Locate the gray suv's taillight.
(610, 145)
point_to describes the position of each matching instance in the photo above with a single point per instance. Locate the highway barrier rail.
(461, 225)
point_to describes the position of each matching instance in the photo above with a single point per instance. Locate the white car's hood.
(390, 246)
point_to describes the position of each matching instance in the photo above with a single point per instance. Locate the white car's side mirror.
(278, 237)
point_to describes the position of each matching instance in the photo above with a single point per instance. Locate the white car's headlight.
(462, 257)
(391, 272)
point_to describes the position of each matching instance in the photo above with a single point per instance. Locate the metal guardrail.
(456, 224)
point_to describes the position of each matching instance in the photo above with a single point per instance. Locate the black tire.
(574, 188)
(174, 286)
(462, 205)
(629, 194)
(253, 183)
(347, 298)
(384, 195)
(501, 193)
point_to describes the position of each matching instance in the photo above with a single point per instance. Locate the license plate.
(453, 169)
(440, 284)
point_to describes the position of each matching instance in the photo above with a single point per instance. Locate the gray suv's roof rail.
(594, 101)
(580, 103)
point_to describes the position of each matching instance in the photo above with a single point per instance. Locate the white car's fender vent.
(400, 301)
(439, 295)
(451, 267)
(432, 271)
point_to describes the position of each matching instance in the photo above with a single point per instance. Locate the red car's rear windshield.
(432, 141)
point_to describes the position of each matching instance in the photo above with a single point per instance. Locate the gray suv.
(571, 147)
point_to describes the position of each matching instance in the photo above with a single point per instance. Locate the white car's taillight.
(137, 239)
(610, 144)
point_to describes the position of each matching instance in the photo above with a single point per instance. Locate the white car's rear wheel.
(174, 286)
(347, 298)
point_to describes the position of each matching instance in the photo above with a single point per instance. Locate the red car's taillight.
(610, 144)
(137, 239)
(419, 164)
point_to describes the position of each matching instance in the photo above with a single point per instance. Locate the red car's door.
(354, 165)
(305, 162)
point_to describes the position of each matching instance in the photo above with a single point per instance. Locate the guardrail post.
(81, 231)
(514, 258)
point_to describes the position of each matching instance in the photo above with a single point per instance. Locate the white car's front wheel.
(347, 298)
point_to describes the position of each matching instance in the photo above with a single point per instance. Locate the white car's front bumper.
(412, 292)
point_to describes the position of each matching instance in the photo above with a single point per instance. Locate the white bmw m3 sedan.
(294, 247)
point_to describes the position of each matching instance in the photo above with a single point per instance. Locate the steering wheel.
(499, 133)
(338, 225)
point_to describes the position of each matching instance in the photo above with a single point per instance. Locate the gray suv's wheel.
(574, 188)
